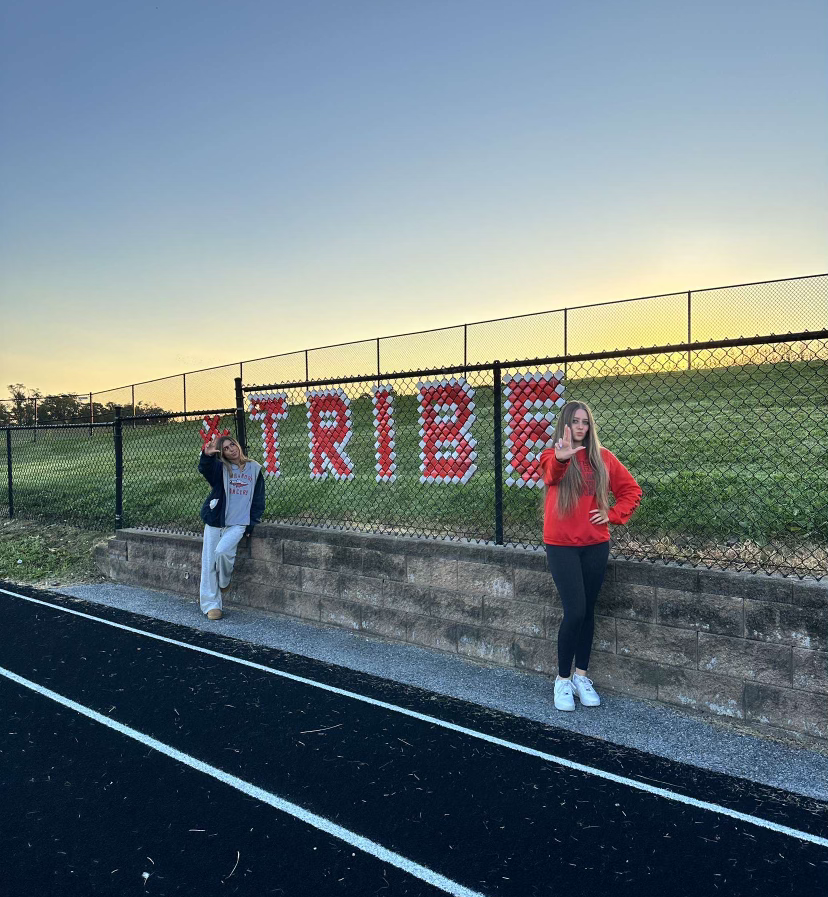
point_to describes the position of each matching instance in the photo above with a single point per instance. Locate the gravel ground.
(621, 720)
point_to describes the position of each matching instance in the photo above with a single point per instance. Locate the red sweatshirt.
(577, 529)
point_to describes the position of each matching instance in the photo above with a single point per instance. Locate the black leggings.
(578, 571)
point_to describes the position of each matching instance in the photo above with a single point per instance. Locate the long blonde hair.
(243, 459)
(572, 485)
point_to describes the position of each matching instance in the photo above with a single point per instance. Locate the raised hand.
(563, 447)
(212, 446)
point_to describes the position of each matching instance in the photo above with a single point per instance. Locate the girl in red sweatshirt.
(579, 476)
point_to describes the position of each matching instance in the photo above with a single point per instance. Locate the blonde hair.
(243, 459)
(571, 485)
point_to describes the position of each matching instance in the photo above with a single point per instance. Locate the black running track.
(86, 810)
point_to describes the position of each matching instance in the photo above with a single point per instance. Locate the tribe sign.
(448, 450)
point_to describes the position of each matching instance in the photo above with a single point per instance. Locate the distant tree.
(151, 408)
(19, 410)
(22, 401)
(61, 409)
(148, 408)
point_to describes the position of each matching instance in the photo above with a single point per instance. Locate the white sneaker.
(563, 695)
(582, 686)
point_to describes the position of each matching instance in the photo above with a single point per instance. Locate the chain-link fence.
(772, 307)
(731, 450)
(60, 474)
(728, 439)
(131, 471)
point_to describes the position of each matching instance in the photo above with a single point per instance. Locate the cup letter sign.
(384, 435)
(329, 430)
(531, 402)
(447, 450)
(269, 408)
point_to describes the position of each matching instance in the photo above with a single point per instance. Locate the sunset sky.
(193, 182)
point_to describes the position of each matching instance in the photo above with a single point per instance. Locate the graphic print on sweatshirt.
(589, 478)
(240, 496)
(239, 486)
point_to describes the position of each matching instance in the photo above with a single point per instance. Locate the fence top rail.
(51, 395)
(456, 326)
(168, 414)
(41, 427)
(680, 348)
(111, 423)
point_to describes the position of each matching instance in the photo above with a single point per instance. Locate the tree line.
(27, 407)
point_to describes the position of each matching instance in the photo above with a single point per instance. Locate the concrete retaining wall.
(738, 646)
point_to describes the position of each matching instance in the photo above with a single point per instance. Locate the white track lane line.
(482, 736)
(319, 822)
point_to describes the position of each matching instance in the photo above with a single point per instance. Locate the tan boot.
(214, 614)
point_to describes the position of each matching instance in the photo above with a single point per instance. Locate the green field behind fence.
(722, 453)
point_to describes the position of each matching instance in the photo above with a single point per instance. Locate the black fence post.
(35, 420)
(119, 469)
(241, 430)
(498, 454)
(91, 414)
(9, 469)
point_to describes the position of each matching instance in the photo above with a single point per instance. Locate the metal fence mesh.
(416, 351)
(656, 321)
(778, 307)
(64, 475)
(162, 487)
(211, 388)
(731, 454)
(727, 440)
(166, 394)
(104, 403)
(359, 502)
(345, 360)
(288, 368)
(530, 336)
(4, 477)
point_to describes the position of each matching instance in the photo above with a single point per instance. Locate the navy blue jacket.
(213, 470)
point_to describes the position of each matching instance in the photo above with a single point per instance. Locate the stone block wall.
(739, 646)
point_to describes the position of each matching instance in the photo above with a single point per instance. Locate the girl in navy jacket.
(231, 510)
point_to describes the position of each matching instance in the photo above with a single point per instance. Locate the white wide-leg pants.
(218, 554)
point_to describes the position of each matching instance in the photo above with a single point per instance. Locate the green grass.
(722, 454)
(47, 554)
